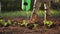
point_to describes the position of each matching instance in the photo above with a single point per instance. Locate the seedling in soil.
(3, 23)
(24, 22)
(30, 26)
(35, 25)
(48, 23)
(9, 22)
(1, 20)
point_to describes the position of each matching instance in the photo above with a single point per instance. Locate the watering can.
(26, 4)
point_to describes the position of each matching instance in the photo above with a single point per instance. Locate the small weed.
(48, 23)
(24, 22)
(3, 23)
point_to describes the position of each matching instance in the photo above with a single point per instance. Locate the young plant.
(35, 25)
(2, 22)
(48, 23)
(24, 22)
(9, 21)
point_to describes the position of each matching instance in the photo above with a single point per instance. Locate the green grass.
(23, 13)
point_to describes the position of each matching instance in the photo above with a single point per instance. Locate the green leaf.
(49, 23)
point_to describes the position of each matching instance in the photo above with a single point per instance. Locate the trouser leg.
(36, 9)
(47, 9)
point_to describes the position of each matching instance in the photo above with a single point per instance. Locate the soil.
(41, 29)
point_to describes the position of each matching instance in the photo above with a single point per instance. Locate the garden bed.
(38, 30)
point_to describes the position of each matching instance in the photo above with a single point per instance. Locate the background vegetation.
(14, 5)
(13, 8)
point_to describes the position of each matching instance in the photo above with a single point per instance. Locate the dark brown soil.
(38, 30)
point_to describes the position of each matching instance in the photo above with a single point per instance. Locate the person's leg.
(35, 10)
(47, 5)
(34, 17)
